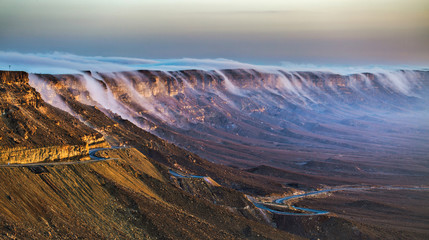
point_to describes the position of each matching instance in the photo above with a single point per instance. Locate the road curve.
(281, 200)
(313, 212)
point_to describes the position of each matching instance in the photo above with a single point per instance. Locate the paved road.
(309, 212)
(178, 175)
(91, 155)
(281, 200)
(313, 212)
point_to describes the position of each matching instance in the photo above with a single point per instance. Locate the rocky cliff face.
(33, 131)
(195, 96)
(157, 83)
(14, 89)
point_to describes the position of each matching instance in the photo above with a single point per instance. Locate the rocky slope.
(128, 198)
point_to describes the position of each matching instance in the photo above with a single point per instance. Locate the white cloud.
(61, 63)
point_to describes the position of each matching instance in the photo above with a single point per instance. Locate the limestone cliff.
(23, 155)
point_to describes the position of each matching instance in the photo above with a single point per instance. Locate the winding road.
(279, 203)
(313, 212)
(281, 200)
(262, 205)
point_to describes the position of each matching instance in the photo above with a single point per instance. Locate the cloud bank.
(63, 63)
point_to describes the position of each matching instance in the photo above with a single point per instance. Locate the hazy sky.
(317, 31)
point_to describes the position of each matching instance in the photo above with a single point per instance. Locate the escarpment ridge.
(280, 118)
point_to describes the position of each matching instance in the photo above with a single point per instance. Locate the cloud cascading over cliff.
(243, 114)
(246, 115)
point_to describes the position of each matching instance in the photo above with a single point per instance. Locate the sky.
(263, 32)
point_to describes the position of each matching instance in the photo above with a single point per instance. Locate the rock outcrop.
(45, 154)
(34, 131)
